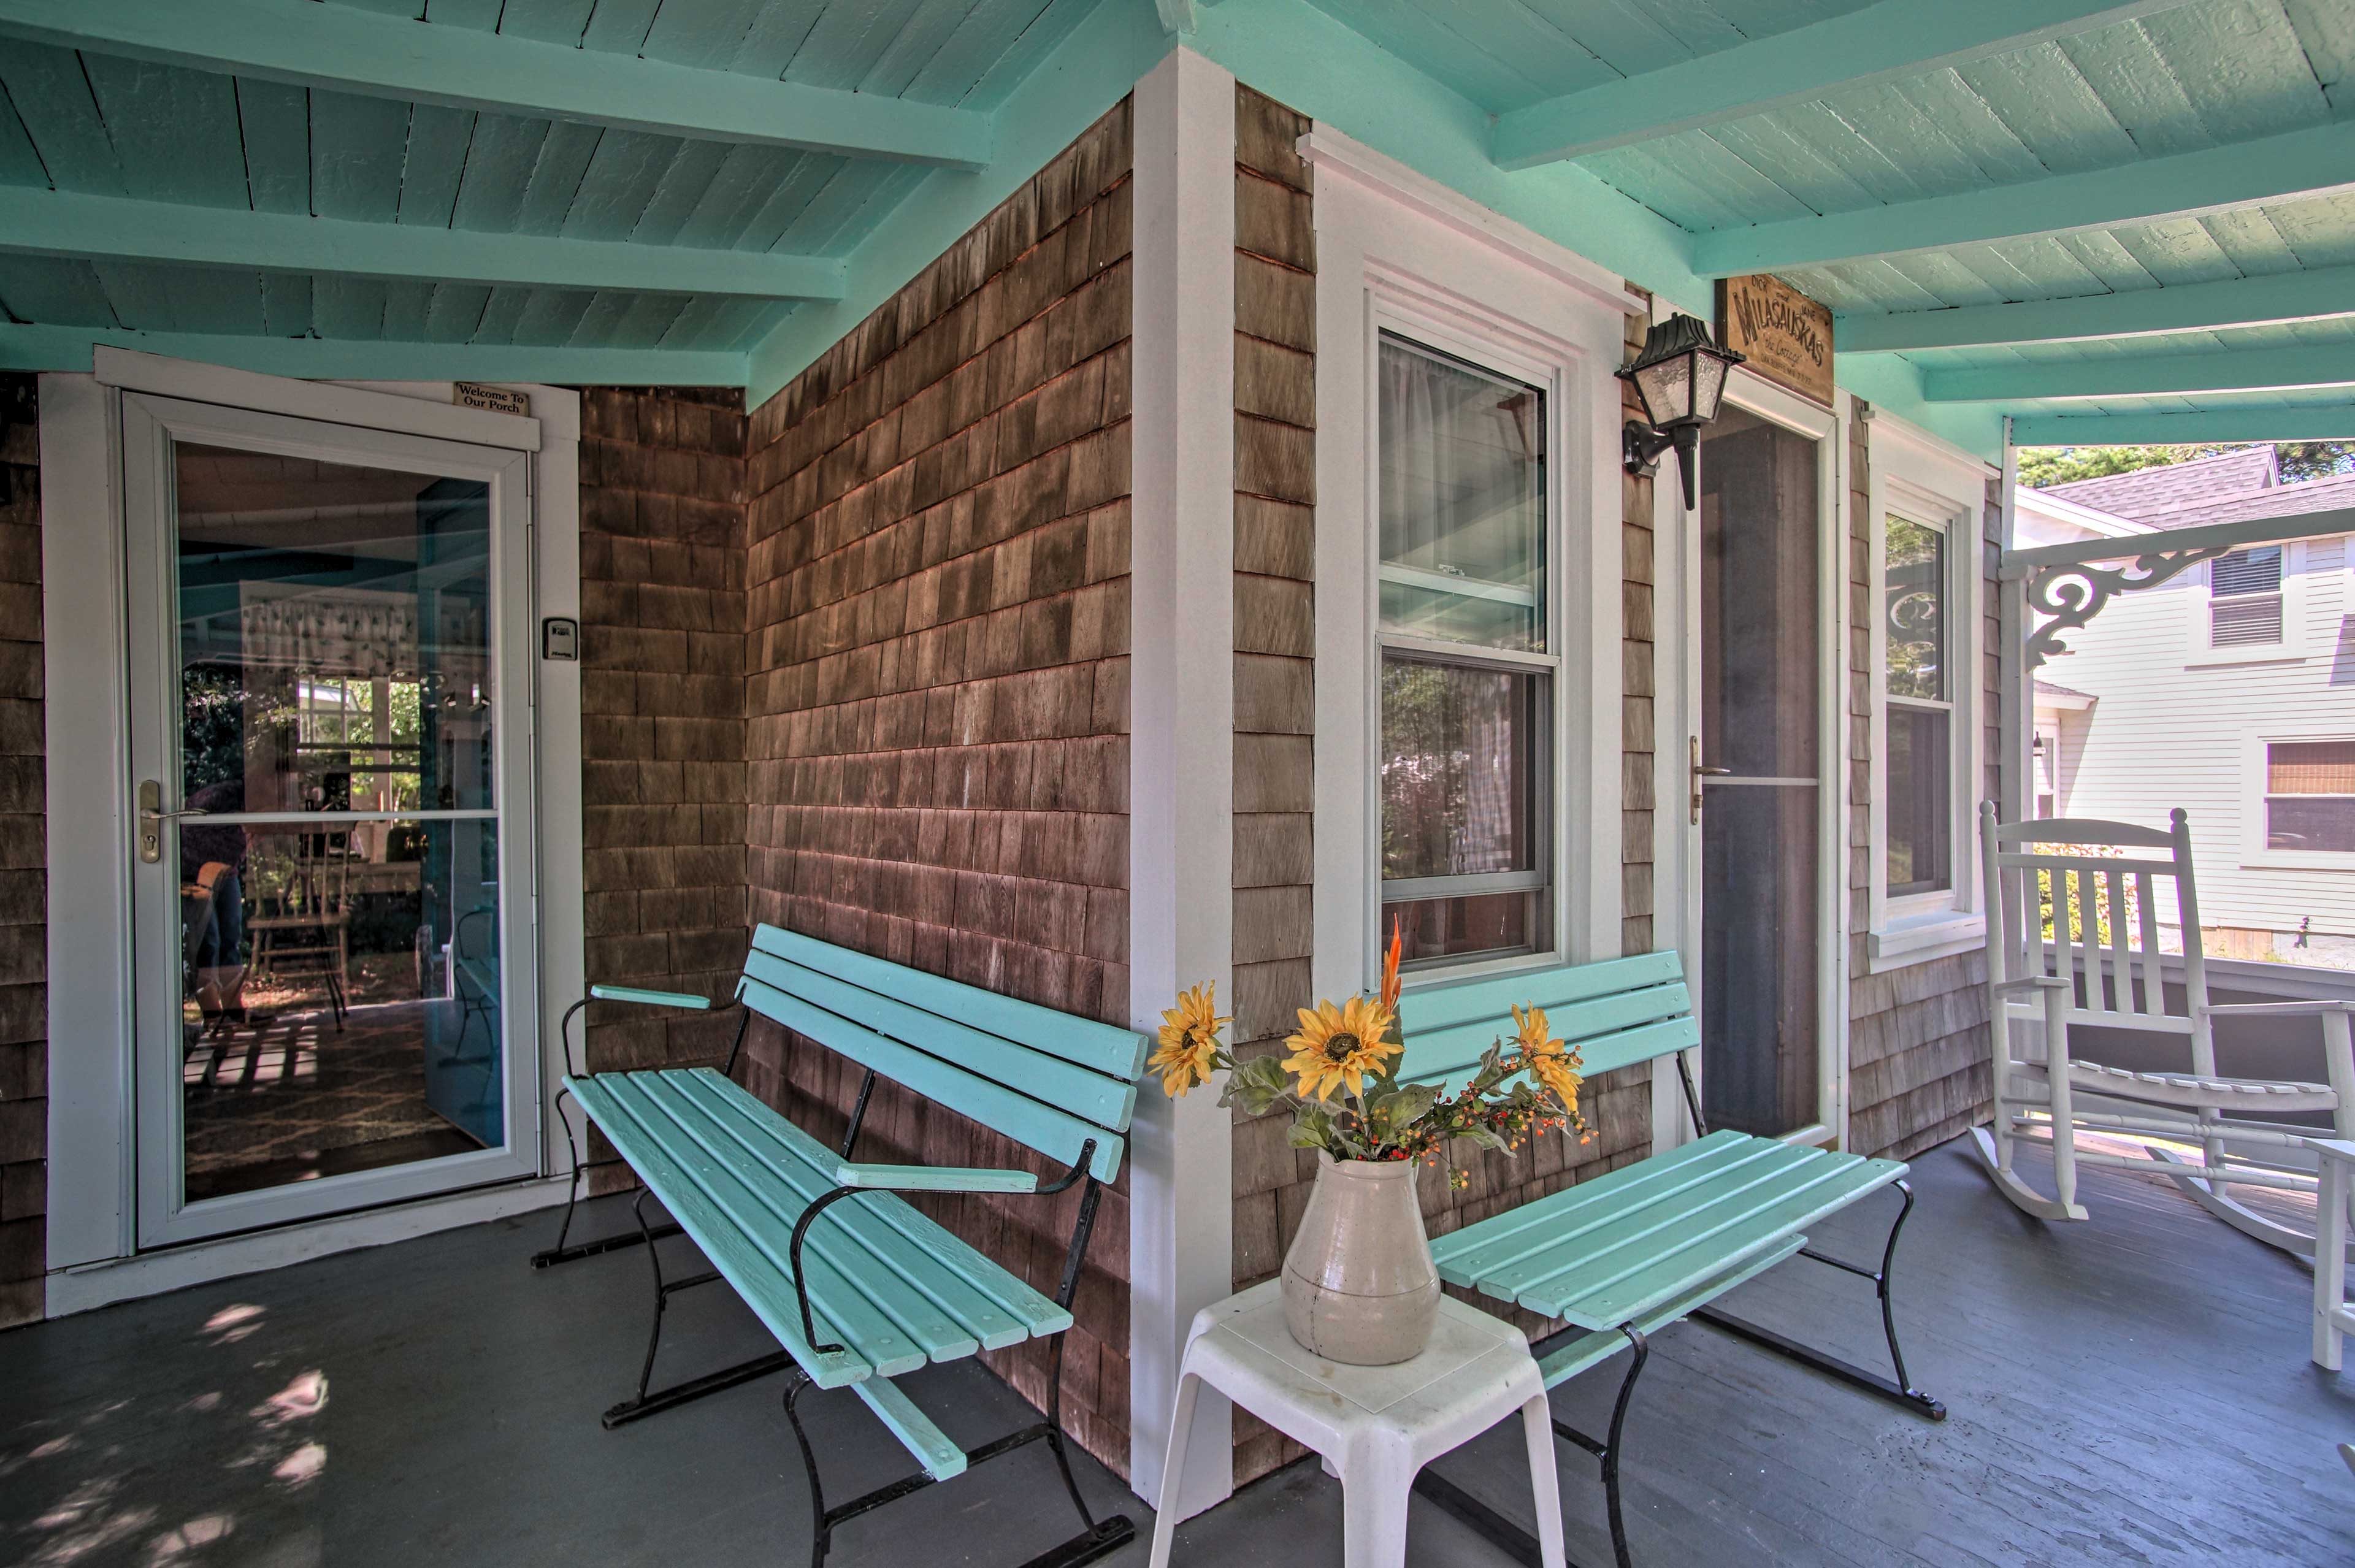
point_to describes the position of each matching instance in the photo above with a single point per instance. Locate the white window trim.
(2253, 850)
(1391, 257)
(1923, 479)
(2200, 654)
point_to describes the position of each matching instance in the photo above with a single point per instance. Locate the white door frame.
(92, 1151)
(151, 427)
(1680, 841)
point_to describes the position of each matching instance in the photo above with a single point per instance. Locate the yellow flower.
(1550, 1061)
(1339, 1045)
(1189, 1038)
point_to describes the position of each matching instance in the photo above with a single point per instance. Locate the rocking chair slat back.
(2077, 940)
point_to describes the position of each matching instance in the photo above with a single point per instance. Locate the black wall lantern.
(1679, 376)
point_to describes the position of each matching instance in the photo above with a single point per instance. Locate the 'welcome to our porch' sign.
(1787, 335)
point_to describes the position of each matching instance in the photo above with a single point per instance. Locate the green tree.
(2041, 467)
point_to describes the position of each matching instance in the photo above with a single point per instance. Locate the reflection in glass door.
(335, 983)
(1756, 771)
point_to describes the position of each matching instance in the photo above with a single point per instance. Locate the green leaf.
(1488, 1139)
(1404, 1107)
(1313, 1129)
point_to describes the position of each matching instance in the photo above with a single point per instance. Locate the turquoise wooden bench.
(858, 1286)
(1624, 1255)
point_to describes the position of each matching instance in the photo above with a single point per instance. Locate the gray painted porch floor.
(2132, 1389)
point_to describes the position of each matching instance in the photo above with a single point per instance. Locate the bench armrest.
(650, 998)
(933, 1179)
(2036, 983)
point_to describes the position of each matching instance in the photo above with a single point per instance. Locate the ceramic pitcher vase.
(1359, 1285)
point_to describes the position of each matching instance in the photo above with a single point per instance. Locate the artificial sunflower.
(1189, 1041)
(1550, 1061)
(1337, 1046)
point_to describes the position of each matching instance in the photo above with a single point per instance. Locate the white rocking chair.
(2072, 911)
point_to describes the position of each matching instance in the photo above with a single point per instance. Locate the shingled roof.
(2152, 494)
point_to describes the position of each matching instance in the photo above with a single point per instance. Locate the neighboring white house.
(2229, 691)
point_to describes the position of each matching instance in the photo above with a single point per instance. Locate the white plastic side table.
(1375, 1426)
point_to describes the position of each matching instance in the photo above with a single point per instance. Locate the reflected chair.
(303, 926)
(476, 978)
(2074, 942)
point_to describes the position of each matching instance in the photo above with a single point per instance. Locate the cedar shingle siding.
(937, 689)
(1918, 1045)
(24, 879)
(662, 699)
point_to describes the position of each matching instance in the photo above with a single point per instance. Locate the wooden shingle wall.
(662, 698)
(23, 880)
(1274, 751)
(1918, 1048)
(937, 689)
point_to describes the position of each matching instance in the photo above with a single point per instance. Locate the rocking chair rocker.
(2073, 939)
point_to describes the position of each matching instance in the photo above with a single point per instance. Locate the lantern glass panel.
(1708, 384)
(1667, 388)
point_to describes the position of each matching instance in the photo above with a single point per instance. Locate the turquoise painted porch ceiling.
(2092, 210)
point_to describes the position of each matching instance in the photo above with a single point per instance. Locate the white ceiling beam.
(344, 47)
(375, 359)
(1891, 40)
(58, 223)
(2139, 313)
(2316, 161)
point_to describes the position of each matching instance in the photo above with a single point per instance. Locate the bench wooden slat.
(1601, 1254)
(1053, 1132)
(874, 1305)
(1118, 1052)
(933, 1449)
(762, 1284)
(1551, 1220)
(1764, 1214)
(1106, 1100)
(995, 1305)
(1473, 1001)
(743, 1222)
(1599, 1345)
(1458, 1053)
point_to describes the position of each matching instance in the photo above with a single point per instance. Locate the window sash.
(2245, 603)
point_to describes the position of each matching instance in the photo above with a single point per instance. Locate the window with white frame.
(1468, 669)
(2309, 799)
(2244, 597)
(1918, 706)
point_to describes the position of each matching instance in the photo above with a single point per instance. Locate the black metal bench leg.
(1509, 1536)
(1900, 1391)
(821, 1529)
(560, 1253)
(642, 1404)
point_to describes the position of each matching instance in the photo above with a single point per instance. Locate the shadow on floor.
(2132, 1389)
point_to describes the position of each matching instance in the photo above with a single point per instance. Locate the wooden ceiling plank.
(358, 51)
(1892, 39)
(40, 222)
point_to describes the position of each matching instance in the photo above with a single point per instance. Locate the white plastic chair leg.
(1172, 1469)
(1536, 1424)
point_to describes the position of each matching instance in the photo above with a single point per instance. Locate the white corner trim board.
(1182, 721)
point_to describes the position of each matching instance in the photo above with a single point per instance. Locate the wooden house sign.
(1787, 335)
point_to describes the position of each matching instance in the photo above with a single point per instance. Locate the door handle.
(152, 818)
(1700, 772)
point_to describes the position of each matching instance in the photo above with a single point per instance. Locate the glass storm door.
(1756, 775)
(332, 861)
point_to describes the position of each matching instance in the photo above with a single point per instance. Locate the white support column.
(2016, 714)
(1181, 737)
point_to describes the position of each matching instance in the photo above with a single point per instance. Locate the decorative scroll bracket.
(2070, 595)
